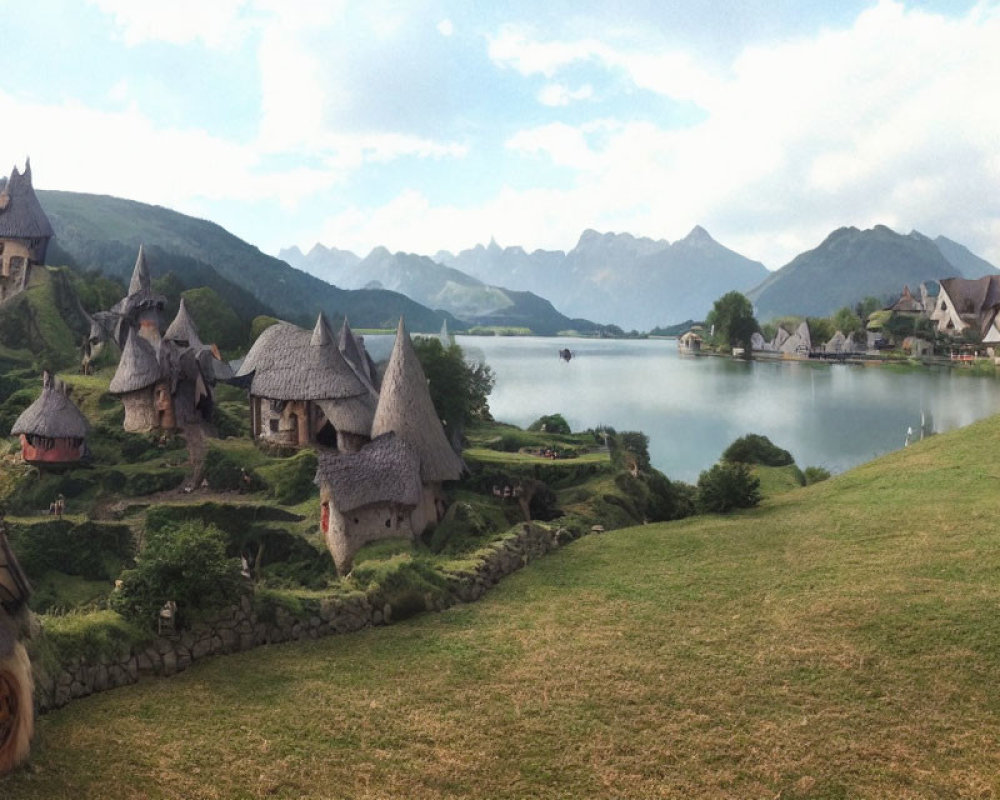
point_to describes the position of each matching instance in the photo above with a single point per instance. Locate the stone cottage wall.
(242, 628)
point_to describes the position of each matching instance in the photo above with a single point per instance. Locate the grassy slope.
(839, 641)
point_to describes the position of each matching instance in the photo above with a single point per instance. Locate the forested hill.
(104, 233)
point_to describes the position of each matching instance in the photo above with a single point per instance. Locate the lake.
(834, 416)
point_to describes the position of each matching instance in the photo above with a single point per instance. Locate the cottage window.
(273, 425)
(388, 522)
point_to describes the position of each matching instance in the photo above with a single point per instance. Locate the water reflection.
(834, 416)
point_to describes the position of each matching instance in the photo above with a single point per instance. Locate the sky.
(422, 126)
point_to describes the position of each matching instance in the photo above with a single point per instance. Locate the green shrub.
(409, 585)
(186, 564)
(139, 484)
(292, 481)
(229, 423)
(727, 486)
(224, 473)
(465, 527)
(550, 423)
(756, 449)
(815, 475)
(94, 550)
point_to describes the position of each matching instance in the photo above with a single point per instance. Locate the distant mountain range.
(852, 264)
(104, 233)
(635, 283)
(437, 286)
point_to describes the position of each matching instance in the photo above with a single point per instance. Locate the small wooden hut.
(303, 390)
(367, 496)
(24, 232)
(52, 429)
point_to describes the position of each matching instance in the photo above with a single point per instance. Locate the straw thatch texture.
(356, 356)
(140, 291)
(386, 470)
(405, 406)
(138, 368)
(53, 415)
(350, 414)
(182, 330)
(286, 365)
(21, 215)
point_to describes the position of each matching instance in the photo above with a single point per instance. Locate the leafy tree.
(756, 449)
(551, 423)
(733, 320)
(865, 308)
(815, 475)
(727, 486)
(821, 330)
(460, 391)
(847, 321)
(215, 319)
(186, 564)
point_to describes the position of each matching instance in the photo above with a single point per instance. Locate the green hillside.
(839, 641)
(100, 232)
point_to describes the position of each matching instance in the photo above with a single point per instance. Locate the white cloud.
(558, 94)
(445, 27)
(888, 121)
(216, 23)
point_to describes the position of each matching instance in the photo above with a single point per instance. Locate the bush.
(186, 564)
(727, 486)
(292, 481)
(94, 550)
(465, 527)
(756, 449)
(225, 473)
(139, 484)
(551, 423)
(815, 475)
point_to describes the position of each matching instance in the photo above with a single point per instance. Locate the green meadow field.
(839, 641)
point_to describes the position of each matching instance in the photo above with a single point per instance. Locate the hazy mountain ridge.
(89, 228)
(851, 264)
(439, 286)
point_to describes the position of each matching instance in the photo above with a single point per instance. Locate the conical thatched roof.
(140, 274)
(289, 363)
(405, 406)
(356, 356)
(383, 471)
(138, 368)
(21, 215)
(53, 415)
(140, 290)
(182, 330)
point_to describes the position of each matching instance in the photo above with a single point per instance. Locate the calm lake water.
(834, 416)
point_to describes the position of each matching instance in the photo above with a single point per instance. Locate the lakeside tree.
(733, 321)
(459, 390)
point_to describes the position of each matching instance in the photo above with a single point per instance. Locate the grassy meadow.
(840, 641)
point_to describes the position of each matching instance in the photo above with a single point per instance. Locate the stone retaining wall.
(242, 628)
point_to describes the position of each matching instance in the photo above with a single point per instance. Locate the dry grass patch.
(840, 641)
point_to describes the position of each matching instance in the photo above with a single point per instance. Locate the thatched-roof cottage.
(963, 303)
(52, 429)
(24, 231)
(392, 485)
(368, 495)
(304, 391)
(167, 384)
(690, 342)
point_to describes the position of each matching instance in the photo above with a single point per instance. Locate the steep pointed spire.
(140, 274)
(321, 334)
(183, 330)
(405, 407)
